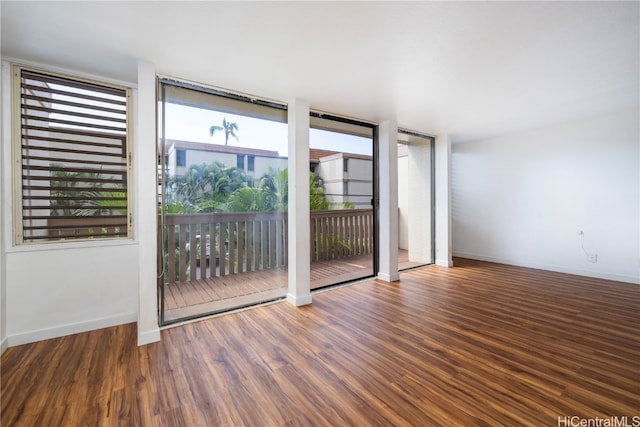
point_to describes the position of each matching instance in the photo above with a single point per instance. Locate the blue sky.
(192, 124)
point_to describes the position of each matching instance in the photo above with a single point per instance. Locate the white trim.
(58, 246)
(205, 86)
(149, 336)
(444, 263)
(7, 164)
(39, 66)
(70, 329)
(4, 105)
(299, 300)
(556, 268)
(394, 277)
(18, 235)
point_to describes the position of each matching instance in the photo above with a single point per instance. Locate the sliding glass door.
(416, 219)
(222, 201)
(341, 185)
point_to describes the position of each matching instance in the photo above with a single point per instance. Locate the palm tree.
(275, 184)
(317, 199)
(229, 128)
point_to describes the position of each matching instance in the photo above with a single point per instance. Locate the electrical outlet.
(593, 258)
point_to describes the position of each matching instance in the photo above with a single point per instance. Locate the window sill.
(57, 246)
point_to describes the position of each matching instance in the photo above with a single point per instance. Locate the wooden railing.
(201, 246)
(341, 233)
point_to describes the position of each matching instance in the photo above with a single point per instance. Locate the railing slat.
(233, 236)
(241, 248)
(285, 249)
(193, 251)
(247, 244)
(203, 251)
(278, 239)
(223, 250)
(182, 252)
(272, 244)
(171, 253)
(264, 235)
(212, 249)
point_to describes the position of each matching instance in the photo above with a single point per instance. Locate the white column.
(145, 193)
(419, 203)
(443, 201)
(299, 235)
(388, 210)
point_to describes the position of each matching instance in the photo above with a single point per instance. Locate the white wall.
(403, 198)
(55, 292)
(444, 235)
(63, 288)
(520, 199)
(419, 204)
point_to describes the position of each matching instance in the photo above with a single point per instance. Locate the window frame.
(17, 157)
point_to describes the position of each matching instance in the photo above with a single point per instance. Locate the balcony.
(219, 261)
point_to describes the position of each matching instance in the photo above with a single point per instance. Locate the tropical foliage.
(83, 194)
(205, 187)
(213, 187)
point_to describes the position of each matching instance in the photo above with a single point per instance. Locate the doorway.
(416, 200)
(342, 223)
(222, 201)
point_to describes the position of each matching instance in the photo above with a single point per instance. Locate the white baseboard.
(299, 301)
(444, 262)
(70, 329)
(148, 337)
(394, 277)
(556, 268)
(4, 344)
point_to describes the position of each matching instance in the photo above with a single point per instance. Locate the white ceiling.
(470, 69)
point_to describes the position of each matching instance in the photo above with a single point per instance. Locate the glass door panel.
(223, 210)
(341, 190)
(416, 220)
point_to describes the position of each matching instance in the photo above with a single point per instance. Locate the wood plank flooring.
(478, 344)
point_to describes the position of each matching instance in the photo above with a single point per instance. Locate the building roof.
(316, 154)
(174, 144)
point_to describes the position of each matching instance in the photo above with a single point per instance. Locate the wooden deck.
(223, 293)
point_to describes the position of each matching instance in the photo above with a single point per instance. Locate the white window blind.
(74, 157)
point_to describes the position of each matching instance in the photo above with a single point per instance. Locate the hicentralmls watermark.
(613, 421)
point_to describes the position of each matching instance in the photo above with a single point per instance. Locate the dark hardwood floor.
(478, 344)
